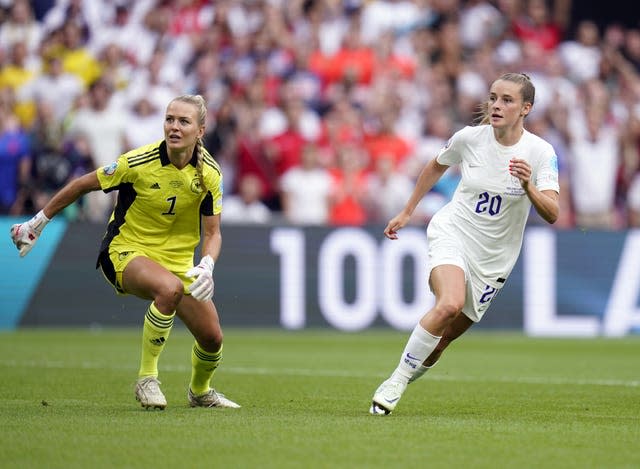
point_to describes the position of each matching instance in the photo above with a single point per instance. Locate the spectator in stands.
(15, 160)
(142, 117)
(157, 81)
(387, 190)
(631, 47)
(348, 199)
(438, 129)
(246, 207)
(480, 23)
(542, 126)
(305, 190)
(342, 123)
(251, 155)
(16, 75)
(76, 57)
(205, 79)
(104, 127)
(87, 16)
(54, 85)
(581, 55)
(352, 63)
(221, 139)
(304, 80)
(385, 141)
(115, 66)
(595, 155)
(536, 26)
(285, 148)
(50, 170)
(631, 170)
(21, 26)
(167, 190)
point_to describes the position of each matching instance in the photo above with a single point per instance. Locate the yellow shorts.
(114, 262)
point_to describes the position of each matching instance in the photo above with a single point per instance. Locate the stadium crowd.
(321, 112)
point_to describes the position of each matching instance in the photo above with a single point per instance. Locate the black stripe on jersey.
(126, 196)
(137, 160)
(206, 207)
(211, 162)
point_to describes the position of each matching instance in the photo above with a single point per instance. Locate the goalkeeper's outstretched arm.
(71, 192)
(25, 235)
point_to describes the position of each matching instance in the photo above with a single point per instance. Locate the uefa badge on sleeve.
(110, 169)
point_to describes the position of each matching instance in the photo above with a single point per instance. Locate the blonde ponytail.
(200, 163)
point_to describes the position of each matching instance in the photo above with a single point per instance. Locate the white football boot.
(211, 399)
(386, 397)
(148, 393)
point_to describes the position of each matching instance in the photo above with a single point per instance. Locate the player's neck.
(508, 136)
(180, 159)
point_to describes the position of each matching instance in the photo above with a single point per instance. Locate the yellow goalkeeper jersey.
(159, 206)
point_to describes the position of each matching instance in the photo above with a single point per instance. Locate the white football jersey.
(489, 210)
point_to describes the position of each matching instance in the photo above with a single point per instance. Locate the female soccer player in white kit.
(475, 240)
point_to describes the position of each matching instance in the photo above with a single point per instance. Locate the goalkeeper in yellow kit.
(169, 193)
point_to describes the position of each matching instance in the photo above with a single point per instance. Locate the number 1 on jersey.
(172, 205)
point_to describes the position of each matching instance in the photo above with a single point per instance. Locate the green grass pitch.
(496, 400)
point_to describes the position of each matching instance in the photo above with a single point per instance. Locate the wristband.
(38, 222)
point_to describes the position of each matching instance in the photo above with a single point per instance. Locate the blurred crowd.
(321, 112)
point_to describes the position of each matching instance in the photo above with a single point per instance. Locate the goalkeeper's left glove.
(202, 287)
(25, 235)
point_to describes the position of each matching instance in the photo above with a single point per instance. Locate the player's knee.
(447, 310)
(171, 293)
(211, 341)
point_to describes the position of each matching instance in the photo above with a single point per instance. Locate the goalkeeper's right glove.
(25, 235)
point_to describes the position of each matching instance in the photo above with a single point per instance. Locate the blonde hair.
(527, 93)
(199, 102)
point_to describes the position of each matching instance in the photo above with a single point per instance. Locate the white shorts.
(445, 250)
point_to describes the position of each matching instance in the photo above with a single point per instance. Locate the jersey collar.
(164, 156)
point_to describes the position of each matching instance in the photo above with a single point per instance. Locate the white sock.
(419, 346)
(420, 371)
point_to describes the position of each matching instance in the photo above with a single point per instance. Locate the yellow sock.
(155, 333)
(203, 364)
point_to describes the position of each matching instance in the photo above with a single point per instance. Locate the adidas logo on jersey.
(155, 185)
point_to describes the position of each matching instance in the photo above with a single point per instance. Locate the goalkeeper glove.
(202, 287)
(25, 235)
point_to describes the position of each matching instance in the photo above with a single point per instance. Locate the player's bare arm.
(72, 192)
(429, 175)
(211, 236)
(547, 202)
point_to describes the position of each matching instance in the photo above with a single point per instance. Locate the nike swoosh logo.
(391, 401)
(411, 357)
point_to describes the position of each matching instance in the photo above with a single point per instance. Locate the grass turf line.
(495, 400)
